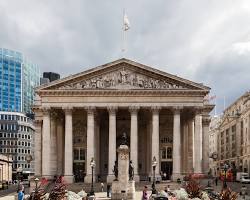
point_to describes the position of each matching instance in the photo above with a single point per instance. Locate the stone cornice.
(118, 64)
(143, 92)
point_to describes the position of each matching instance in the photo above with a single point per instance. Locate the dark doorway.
(166, 168)
(79, 171)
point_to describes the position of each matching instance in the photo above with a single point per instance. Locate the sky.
(206, 41)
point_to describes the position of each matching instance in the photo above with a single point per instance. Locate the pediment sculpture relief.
(122, 79)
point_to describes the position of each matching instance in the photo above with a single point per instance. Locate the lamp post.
(225, 176)
(28, 158)
(92, 164)
(154, 163)
(1, 174)
(36, 181)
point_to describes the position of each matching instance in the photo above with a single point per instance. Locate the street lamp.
(36, 181)
(92, 164)
(154, 163)
(225, 176)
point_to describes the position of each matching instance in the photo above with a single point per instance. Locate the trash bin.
(108, 190)
(161, 198)
(5, 185)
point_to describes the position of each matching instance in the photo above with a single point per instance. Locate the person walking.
(20, 195)
(145, 193)
(216, 180)
(102, 186)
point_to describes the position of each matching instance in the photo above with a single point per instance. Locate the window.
(163, 153)
(79, 154)
(82, 154)
(169, 153)
(75, 154)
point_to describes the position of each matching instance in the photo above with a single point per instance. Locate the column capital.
(112, 109)
(67, 109)
(37, 121)
(206, 121)
(198, 110)
(155, 109)
(46, 110)
(90, 110)
(134, 109)
(176, 109)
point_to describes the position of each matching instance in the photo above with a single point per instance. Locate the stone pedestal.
(131, 190)
(123, 188)
(69, 179)
(110, 178)
(88, 178)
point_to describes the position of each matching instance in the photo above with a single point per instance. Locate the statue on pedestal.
(131, 171)
(115, 170)
(124, 139)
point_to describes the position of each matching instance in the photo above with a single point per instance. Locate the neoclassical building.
(83, 116)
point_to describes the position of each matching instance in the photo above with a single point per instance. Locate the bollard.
(108, 190)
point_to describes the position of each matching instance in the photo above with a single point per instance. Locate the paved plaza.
(103, 195)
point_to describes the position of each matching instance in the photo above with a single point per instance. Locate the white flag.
(126, 23)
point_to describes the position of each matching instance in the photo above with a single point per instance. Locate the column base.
(176, 176)
(137, 178)
(110, 178)
(157, 178)
(48, 177)
(69, 178)
(88, 178)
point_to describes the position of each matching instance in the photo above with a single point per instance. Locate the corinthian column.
(46, 143)
(198, 142)
(38, 147)
(205, 144)
(134, 140)
(90, 142)
(176, 145)
(155, 138)
(68, 149)
(112, 142)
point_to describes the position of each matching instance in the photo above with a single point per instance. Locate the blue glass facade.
(18, 78)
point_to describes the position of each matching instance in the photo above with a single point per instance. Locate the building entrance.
(79, 171)
(166, 168)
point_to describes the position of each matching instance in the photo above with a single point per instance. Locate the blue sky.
(205, 41)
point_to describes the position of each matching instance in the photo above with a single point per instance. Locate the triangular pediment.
(123, 74)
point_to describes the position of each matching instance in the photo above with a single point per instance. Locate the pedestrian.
(167, 189)
(145, 193)
(21, 193)
(102, 186)
(216, 180)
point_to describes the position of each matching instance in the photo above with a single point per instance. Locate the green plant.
(40, 191)
(59, 190)
(193, 189)
(228, 194)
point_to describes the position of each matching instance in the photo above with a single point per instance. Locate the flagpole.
(224, 103)
(215, 111)
(123, 34)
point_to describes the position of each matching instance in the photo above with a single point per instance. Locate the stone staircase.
(76, 187)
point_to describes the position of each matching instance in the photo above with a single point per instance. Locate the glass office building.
(18, 78)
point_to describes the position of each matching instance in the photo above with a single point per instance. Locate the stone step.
(76, 187)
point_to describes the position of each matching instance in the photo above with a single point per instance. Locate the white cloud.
(201, 40)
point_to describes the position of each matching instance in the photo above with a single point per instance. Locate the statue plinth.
(123, 188)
